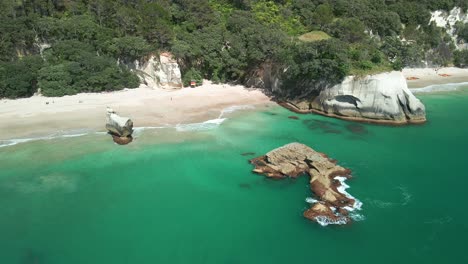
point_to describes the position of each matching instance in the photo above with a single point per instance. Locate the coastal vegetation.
(65, 47)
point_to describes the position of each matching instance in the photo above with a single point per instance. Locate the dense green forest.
(64, 47)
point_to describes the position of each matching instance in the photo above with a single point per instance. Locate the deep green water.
(190, 197)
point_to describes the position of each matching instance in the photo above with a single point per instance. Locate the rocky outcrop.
(162, 72)
(332, 204)
(120, 128)
(380, 98)
(448, 20)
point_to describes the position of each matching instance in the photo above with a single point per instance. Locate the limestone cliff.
(159, 72)
(448, 20)
(381, 98)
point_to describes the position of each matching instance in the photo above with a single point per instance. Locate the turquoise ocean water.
(189, 196)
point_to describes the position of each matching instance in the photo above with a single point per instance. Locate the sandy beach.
(40, 116)
(422, 77)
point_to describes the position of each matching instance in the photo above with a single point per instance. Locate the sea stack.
(332, 204)
(120, 128)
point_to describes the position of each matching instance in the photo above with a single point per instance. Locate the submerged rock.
(333, 204)
(380, 98)
(121, 128)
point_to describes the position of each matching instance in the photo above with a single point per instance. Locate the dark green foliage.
(349, 30)
(222, 40)
(461, 30)
(18, 79)
(311, 66)
(461, 58)
(192, 75)
(73, 67)
(128, 48)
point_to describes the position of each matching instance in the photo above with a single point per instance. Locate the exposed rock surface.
(380, 98)
(447, 20)
(162, 72)
(333, 204)
(120, 128)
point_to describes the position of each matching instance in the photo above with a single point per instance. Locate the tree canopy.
(69, 46)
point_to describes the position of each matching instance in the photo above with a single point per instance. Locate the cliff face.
(159, 72)
(448, 20)
(380, 98)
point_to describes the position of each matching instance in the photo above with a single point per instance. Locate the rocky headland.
(120, 128)
(332, 204)
(381, 98)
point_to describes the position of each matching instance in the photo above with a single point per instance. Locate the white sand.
(33, 117)
(431, 76)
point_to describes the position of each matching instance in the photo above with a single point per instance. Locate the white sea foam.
(232, 109)
(342, 220)
(357, 217)
(325, 221)
(213, 123)
(342, 189)
(440, 88)
(207, 125)
(311, 200)
(12, 142)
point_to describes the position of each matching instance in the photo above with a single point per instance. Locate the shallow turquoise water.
(190, 197)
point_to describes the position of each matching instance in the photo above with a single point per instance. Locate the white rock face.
(162, 72)
(380, 97)
(448, 21)
(117, 125)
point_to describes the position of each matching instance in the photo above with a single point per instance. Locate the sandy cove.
(422, 77)
(43, 116)
(39, 116)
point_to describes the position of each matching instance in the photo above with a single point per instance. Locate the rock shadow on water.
(32, 257)
(357, 129)
(245, 186)
(325, 126)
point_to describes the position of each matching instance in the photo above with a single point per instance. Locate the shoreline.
(386, 122)
(423, 77)
(45, 117)
(50, 117)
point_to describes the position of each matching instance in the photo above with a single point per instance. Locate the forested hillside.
(70, 46)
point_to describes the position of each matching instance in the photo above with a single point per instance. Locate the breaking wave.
(234, 108)
(440, 88)
(213, 123)
(341, 220)
(207, 125)
(342, 189)
(12, 142)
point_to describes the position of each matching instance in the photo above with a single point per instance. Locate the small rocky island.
(333, 204)
(120, 128)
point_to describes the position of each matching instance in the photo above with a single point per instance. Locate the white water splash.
(342, 189)
(341, 220)
(325, 221)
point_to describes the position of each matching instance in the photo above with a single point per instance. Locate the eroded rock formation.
(160, 72)
(380, 98)
(120, 128)
(332, 204)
